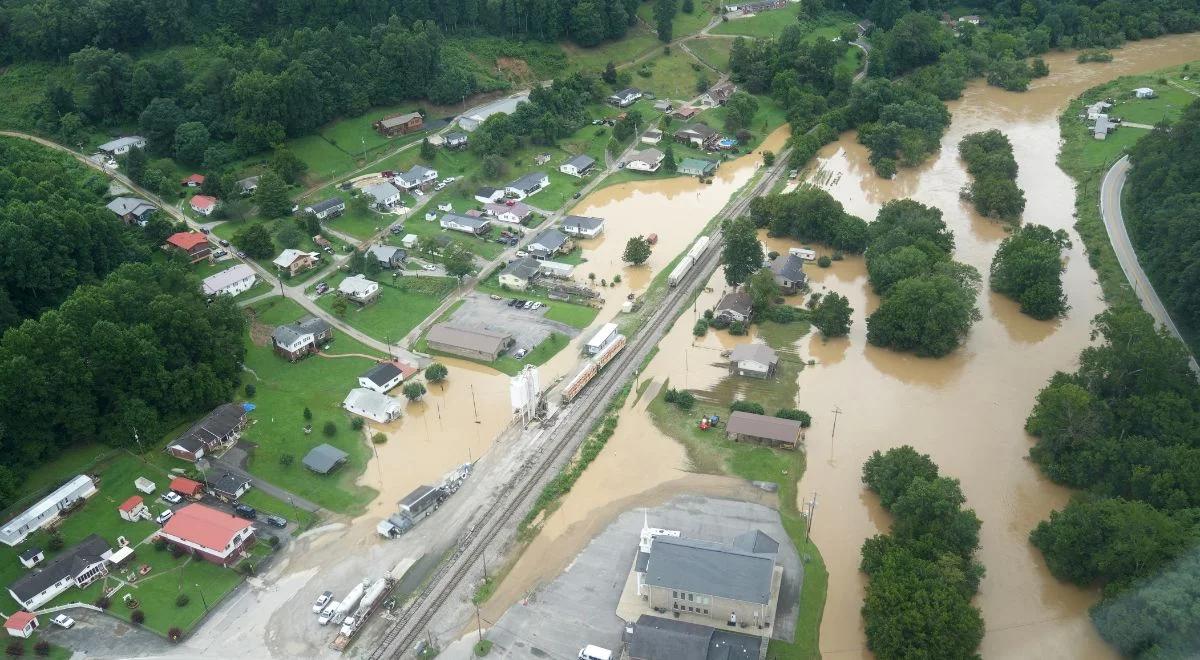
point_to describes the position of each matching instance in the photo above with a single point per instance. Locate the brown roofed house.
(784, 433)
(400, 124)
(475, 344)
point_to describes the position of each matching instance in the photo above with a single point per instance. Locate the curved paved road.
(1114, 223)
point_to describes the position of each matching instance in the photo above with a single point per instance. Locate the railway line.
(572, 427)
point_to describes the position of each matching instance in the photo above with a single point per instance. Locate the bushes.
(182, 599)
(737, 328)
(784, 314)
(103, 602)
(795, 414)
(174, 634)
(701, 328)
(330, 429)
(15, 648)
(747, 406)
(138, 617)
(824, 261)
(1028, 268)
(682, 398)
(379, 438)
(42, 648)
(990, 161)
(356, 423)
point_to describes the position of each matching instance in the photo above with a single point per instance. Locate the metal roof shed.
(323, 458)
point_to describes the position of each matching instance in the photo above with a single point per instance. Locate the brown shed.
(761, 428)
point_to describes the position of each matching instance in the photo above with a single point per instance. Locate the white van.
(591, 652)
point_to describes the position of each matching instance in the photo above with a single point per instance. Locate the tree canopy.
(810, 214)
(741, 252)
(990, 161)
(1028, 268)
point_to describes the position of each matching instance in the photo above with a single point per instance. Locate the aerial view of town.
(600, 329)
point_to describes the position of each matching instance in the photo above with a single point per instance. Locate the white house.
(46, 510)
(555, 269)
(230, 282)
(372, 405)
(625, 97)
(647, 160)
(487, 195)
(417, 177)
(1144, 93)
(382, 377)
(78, 566)
(582, 226)
(122, 145)
(549, 243)
(327, 208)
(409, 241)
(464, 223)
(578, 165)
(383, 195)
(359, 289)
(21, 624)
(204, 204)
(527, 185)
(652, 136)
(515, 214)
(1096, 109)
(754, 360)
(519, 273)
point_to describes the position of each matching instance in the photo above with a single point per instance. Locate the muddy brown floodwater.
(966, 410)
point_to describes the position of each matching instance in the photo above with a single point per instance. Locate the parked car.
(439, 186)
(240, 254)
(397, 230)
(322, 287)
(204, 230)
(495, 297)
(521, 353)
(537, 305)
(528, 304)
(575, 196)
(387, 174)
(63, 621)
(245, 511)
(171, 497)
(521, 254)
(322, 601)
(346, 186)
(223, 242)
(277, 521)
(428, 267)
(219, 253)
(327, 613)
(164, 517)
(510, 202)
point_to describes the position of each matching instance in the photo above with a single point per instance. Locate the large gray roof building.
(710, 568)
(656, 638)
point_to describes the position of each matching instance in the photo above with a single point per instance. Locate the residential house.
(625, 97)
(409, 241)
(374, 406)
(542, 158)
(734, 306)
(1144, 93)
(385, 376)
(719, 94)
(578, 165)
(77, 566)
(323, 243)
(658, 638)
(134, 509)
(401, 124)
(295, 340)
(383, 195)
(549, 243)
(733, 584)
(789, 273)
(203, 204)
(970, 18)
(754, 360)
(21, 624)
(122, 145)
(697, 135)
(327, 208)
(418, 177)
(324, 457)
(1096, 109)
(132, 210)
(359, 289)
(662, 105)
(192, 181)
(685, 112)
(31, 557)
(248, 185)
(519, 273)
(465, 224)
(389, 256)
(775, 431)
(217, 430)
(193, 245)
(215, 535)
(646, 160)
(527, 185)
(582, 226)
(186, 487)
(457, 140)
(700, 167)
(515, 214)
(475, 344)
(487, 195)
(755, 7)
(295, 261)
(470, 123)
(228, 486)
(1103, 127)
(652, 136)
(46, 510)
(230, 282)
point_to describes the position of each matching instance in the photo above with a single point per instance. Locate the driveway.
(234, 460)
(1114, 223)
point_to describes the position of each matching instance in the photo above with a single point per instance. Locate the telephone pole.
(812, 510)
(833, 432)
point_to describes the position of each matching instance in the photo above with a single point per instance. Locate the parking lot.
(528, 327)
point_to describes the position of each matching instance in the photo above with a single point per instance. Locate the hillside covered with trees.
(1163, 214)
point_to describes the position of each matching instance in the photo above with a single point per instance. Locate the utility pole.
(833, 432)
(473, 404)
(478, 626)
(812, 510)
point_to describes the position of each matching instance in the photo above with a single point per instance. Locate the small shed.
(32, 557)
(324, 458)
(133, 509)
(187, 487)
(145, 485)
(1144, 93)
(21, 624)
(784, 433)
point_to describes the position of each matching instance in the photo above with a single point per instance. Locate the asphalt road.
(1114, 223)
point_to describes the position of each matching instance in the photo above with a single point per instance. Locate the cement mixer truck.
(350, 601)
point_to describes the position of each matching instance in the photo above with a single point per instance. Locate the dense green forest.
(1125, 428)
(55, 233)
(922, 575)
(1163, 214)
(990, 162)
(1028, 268)
(810, 214)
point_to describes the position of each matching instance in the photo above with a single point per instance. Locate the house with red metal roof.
(204, 204)
(21, 624)
(194, 245)
(193, 181)
(134, 508)
(215, 535)
(186, 487)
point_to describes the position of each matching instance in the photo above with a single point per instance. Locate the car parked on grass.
(171, 497)
(245, 511)
(164, 517)
(277, 521)
(322, 601)
(63, 621)
(321, 288)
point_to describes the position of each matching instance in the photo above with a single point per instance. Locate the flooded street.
(966, 410)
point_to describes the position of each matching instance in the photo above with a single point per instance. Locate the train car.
(681, 271)
(698, 248)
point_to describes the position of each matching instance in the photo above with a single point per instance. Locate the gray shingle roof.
(528, 182)
(466, 221)
(398, 120)
(756, 352)
(737, 301)
(763, 426)
(523, 268)
(325, 204)
(381, 191)
(70, 563)
(789, 266)
(656, 638)
(227, 483)
(551, 239)
(126, 205)
(216, 425)
(710, 568)
(581, 162)
(582, 222)
(323, 458)
(381, 373)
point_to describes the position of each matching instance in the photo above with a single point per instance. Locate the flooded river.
(966, 410)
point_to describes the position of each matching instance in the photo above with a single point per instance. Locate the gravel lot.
(527, 327)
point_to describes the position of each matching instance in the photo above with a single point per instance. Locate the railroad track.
(572, 428)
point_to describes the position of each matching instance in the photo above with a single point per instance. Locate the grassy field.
(770, 116)
(403, 303)
(284, 390)
(670, 76)
(766, 24)
(1086, 160)
(638, 41)
(714, 51)
(683, 24)
(226, 230)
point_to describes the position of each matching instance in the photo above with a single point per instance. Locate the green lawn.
(638, 41)
(670, 76)
(324, 160)
(357, 135)
(226, 230)
(269, 504)
(766, 24)
(714, 51)
(770, 116)
(1168, 105)
(284, 390)
(850, 61)
(683, 24)
(403, 303)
